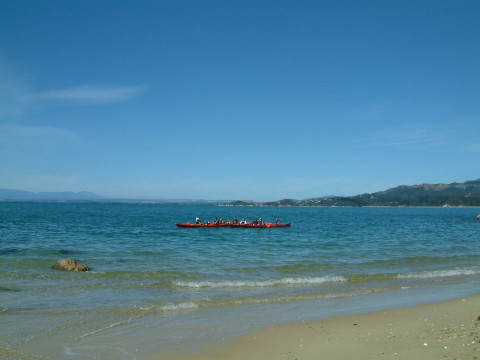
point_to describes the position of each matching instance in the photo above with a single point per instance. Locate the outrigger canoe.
(267, 225)
(190, 225)
(248, 225)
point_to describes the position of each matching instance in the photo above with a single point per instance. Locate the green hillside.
(455, 194)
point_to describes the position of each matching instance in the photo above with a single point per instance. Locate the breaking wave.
(261, 283)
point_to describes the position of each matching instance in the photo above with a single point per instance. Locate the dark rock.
(9, 289)
(66, 252)
(69, 265)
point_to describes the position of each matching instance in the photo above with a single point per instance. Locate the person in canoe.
(235, 220)
(255, 221)
(261, 222)
(197, 221)
(277, 221)
(243, 221)
(215, 221)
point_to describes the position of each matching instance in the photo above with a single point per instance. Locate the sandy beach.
(447, 330)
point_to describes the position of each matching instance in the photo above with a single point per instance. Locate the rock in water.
(69, 265)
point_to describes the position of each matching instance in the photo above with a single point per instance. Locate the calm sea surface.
(156, 288)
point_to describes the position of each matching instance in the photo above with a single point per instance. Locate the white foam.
(110, 326)
(180, 306)
(439, 274)
(261, 283)
(88, 351)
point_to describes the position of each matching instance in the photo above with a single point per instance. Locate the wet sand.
(447, 330)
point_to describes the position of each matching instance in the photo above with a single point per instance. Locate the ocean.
(155, 288)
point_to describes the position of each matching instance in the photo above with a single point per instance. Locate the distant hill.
(21, 195)
(85, 196)
(455, 194)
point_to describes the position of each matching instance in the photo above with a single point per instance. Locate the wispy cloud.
(473, 147)
(31, 135)
(14, 92)
(416, 137)
(18, 96)
(35, 180)
(92, 94)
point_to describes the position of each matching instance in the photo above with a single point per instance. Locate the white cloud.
(96, 94)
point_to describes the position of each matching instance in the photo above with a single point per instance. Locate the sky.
(239, 100)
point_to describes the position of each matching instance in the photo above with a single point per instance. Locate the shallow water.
(154, 287)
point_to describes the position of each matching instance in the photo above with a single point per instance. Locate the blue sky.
(259, 100)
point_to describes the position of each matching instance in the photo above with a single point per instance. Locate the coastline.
(445, 330)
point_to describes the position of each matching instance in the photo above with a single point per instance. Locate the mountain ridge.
(454, 194)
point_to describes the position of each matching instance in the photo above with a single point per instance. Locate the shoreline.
(444, 330)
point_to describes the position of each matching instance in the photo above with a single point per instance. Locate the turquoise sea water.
(156, 288)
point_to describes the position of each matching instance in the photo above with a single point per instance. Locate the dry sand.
(448, 330)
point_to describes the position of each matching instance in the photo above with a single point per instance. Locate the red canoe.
(190, 225)
(267, 225)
